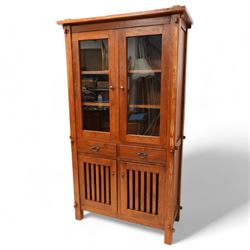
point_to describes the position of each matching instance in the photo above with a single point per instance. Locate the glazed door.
(141, 191)
(98, 183)
(143, 85)
(95, 84)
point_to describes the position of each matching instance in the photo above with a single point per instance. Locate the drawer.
(98, 148)
(145, 154)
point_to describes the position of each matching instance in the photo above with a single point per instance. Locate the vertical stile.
(93, 182)
(154, 198)
(90, 187)
(142, 205)
(136, 191)
(97, 172)
(148, 193)
(157, 192)
(102, 184)
(127, 188)
(88, 181)
(131, 200)
(85, 180)
(107, 184)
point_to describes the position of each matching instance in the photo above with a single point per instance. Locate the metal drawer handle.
(142, 155)
(95, 148)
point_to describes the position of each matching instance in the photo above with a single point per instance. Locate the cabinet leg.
(78, 212)
(168, 234)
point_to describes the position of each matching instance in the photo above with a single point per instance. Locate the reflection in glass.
(143, 121)
(144, 52)
(94, 54)
(95, 85)
(144, 82)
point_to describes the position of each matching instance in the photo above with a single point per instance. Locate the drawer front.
(144, 154)
(98, 148)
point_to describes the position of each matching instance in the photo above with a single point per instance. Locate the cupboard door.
(98, 184)
(95, 84)
(141, 192)
(143, 85)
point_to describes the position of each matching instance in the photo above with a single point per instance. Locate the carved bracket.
(171, 228)
(175, 19)
(71, 139)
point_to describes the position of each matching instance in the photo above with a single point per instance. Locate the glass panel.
(144, 85)
(95, 85)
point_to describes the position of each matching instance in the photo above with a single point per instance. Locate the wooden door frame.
(123, 82)
(92, 205)
(143, 217)
(113, 109)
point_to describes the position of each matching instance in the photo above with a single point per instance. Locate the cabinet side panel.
(180, 85)
(180, 98)
(68, 42)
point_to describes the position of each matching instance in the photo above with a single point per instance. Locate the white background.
(36, 190)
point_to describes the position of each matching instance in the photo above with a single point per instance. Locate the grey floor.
(214, 184)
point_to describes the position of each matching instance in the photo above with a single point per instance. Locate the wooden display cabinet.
(126, 79)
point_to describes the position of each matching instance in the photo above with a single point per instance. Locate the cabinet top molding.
(182, 10)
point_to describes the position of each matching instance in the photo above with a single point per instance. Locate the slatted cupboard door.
(141, 192)
(98, 183)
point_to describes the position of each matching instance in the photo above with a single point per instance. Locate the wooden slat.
(148, 106)
(82, 180)
(142, 205)
(144, 71)
(154, 198)
(148, 193)
(107, 184)
(136, 191)
(97, 170)
(95, 72)
(102, 185)
(93, 182)
(131, 200)
(88, 180)
(96, 104)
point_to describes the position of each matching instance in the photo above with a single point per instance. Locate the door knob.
(111, 87)
(122, 87)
